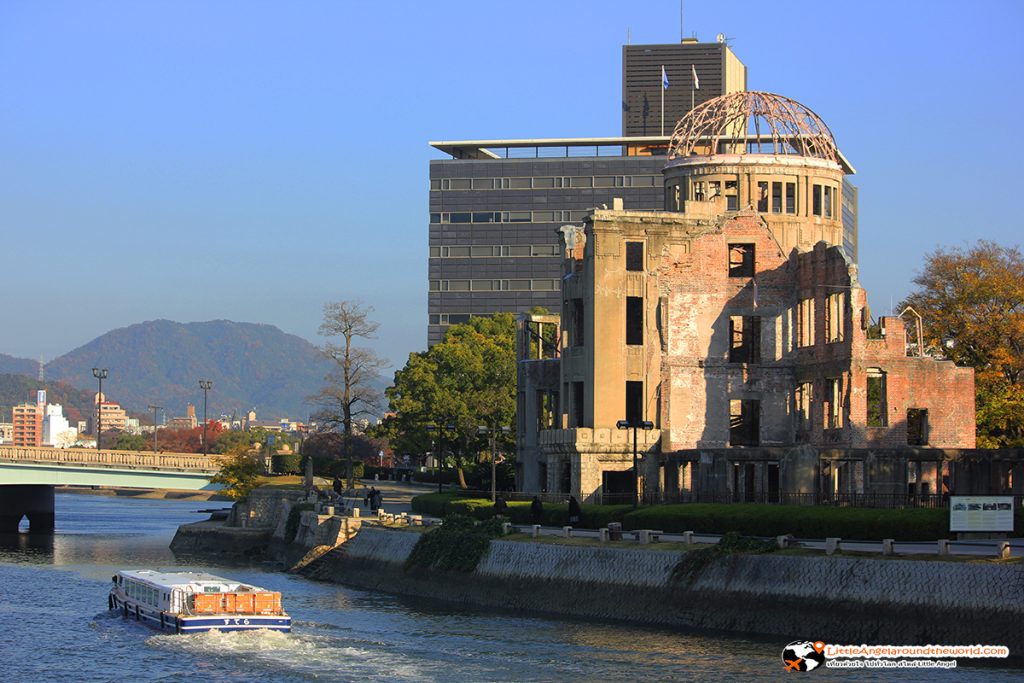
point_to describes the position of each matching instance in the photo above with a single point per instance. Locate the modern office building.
(717, 69)
(496, 205)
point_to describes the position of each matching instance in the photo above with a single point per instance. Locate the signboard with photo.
(981, 513)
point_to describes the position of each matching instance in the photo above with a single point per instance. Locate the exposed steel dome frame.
(753, 123)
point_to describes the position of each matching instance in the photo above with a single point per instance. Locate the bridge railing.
(189, 462)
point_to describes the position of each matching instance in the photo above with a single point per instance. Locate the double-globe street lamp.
(205, 385)
(493, 430)
(645, 425)
(100, 374)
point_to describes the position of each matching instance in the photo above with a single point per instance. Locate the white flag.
(696, 82)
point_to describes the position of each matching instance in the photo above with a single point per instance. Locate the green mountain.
(160, 362)
(15, 389)
(9, 365)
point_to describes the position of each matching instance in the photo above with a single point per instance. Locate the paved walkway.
(397, 495)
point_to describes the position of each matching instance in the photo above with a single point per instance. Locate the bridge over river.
(28, 477)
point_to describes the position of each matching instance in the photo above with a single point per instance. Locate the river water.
(54, 625)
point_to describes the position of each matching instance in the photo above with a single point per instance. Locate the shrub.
(457, 545)
(801, 521)
(291, 527)
(286, 463)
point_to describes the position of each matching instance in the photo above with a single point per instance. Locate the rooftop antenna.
(627, 35)
(681, 21)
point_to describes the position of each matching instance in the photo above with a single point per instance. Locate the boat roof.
(182, 579)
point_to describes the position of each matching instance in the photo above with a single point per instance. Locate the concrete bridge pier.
(34, 501)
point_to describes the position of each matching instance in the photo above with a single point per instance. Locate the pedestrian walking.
(536, 510)
(575, 513)
(500, 507)
(337, 486)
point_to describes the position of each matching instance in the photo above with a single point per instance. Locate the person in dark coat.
(337, 486)
(575, 513)
(536, 510)
(500, 507)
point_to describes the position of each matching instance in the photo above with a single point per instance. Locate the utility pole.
(205, 385)
(645, 425)
(154, 409)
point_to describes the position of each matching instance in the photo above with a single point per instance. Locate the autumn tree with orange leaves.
(972, 302)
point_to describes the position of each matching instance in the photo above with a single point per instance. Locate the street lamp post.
(100, 374)
(205, 385)
(493, 430)
(439, 428)
(645, 425)
(154, 409)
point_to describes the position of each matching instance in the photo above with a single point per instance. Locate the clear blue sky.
(252, 160)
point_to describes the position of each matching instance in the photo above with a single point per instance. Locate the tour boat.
(190, 602)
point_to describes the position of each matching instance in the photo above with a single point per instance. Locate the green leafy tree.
(972, 303)
(466, 381)
(239, 472)
(123, 441)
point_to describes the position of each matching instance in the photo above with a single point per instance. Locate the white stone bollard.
(602, 535)
(1003, 548)
(329, 510)
(887, 546)
(355, 512)
(644, 536)
(782, 541)
(536, 530)
(831, 545)
(506, 528)
(688, 538)
(943, 546)
(567, 531)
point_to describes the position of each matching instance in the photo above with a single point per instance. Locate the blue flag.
(664, 78)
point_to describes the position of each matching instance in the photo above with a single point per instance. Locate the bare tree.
(352, 389)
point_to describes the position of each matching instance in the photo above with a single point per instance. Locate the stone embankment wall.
(257, 528)
(836, 599)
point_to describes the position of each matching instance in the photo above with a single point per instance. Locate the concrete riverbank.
(835, 599)
(838, 599)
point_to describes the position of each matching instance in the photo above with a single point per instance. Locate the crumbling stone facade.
(731, 320)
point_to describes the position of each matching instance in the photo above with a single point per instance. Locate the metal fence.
(865, 500)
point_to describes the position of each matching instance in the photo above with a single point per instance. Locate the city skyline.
(208, 162)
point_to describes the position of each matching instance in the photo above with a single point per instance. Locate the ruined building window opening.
(823, 200)
(772, 472)
(917, 426)
(834, 403)
(805, 322)
(634, 402)
(762, 196)
(790, 197)
(876, 398)
(673, 197)
(576, 320)
(803, 400)
(634, 321)
(698, 191)
(578, 414)
(776, 197)
(741, 260)
(744, 422)
(547, 408)
(635, 257)
(835, 317)
(732, 200)
(744, 339)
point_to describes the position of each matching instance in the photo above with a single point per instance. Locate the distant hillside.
(160, 362)
(15, 389)
(9, 365)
